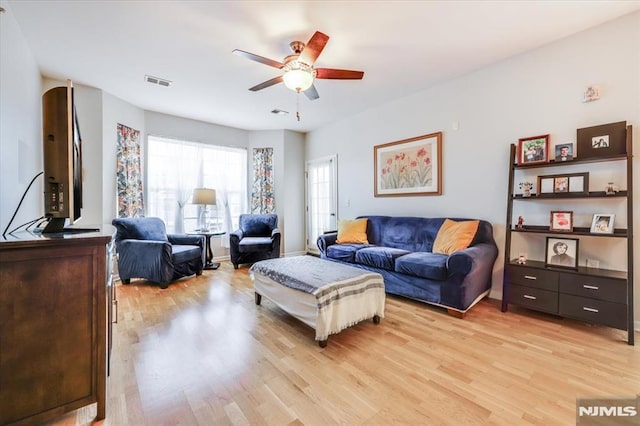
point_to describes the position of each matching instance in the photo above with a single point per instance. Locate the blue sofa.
(400, 248)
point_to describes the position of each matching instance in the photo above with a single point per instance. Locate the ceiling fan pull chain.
(298, 105)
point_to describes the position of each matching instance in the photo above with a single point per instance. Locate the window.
(175, 168)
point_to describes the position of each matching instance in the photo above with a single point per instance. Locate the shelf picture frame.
(602, 223)
(561, 221)
(409, 167)
(533, 150)
(561, 252)
(567, 183)
(564, 152)
(605, 140)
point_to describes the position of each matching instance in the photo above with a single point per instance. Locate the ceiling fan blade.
(330, 73)
(313, 48)
(258, 58)
(267, 83)
(312, 93)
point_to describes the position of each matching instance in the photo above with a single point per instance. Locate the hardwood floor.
(202, 353)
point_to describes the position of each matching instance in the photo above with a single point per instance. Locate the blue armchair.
(145, 250)
(257, 239)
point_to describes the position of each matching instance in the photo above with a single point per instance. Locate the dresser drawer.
(532, 277)
(594, 311)
(608, 289)
(534, 298)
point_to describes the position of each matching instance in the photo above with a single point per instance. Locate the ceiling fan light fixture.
(298, 76)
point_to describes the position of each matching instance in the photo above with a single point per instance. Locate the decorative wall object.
(564, 152)
(602, 141)
(577, 183)
(602, 223)
(562, 252)
(409, 167)
(129, 173)
(533, 150)
(262, 193)
(561, 221)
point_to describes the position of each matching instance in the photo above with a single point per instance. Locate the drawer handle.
(584, 308)
(590, 287)
(526, 296)
(530, 277)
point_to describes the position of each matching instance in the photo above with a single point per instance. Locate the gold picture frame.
(409, 167)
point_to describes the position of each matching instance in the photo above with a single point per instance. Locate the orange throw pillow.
(455, 236)
(352, 231)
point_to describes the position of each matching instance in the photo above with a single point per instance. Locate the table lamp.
(205, 197)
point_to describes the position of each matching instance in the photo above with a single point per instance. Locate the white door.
(322, 199)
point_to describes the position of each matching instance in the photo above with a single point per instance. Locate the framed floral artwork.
(533, 150)
(409, 167)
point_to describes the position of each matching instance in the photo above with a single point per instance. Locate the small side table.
(209, 264)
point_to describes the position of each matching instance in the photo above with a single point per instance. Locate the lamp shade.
(204, 196)
(298, 76)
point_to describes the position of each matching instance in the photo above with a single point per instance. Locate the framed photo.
(574, 183)
(561, 252)
(564, 152)
(602, 141)
(561, 184)
(533, 150)
(409, 167)
(561, 221)
(602, 223)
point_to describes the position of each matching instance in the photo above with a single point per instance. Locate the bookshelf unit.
(594, 295)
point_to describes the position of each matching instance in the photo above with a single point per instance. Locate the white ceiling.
(402, 46)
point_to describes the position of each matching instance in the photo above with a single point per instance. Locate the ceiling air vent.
(279, 112)
(157, 80)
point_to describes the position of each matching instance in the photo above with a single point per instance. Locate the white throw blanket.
(345, 295)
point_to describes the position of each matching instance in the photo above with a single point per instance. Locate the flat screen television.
(62, 155)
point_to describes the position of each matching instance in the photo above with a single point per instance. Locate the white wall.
(535, 93)
(294, 193)
(20, 125)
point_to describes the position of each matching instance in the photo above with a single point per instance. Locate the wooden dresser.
(53, 325)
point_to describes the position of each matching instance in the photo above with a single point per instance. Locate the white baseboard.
(295, 253)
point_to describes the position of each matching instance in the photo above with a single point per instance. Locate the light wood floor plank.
(202, 353)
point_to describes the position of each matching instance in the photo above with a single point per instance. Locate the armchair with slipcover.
(145, 250)
(257, 238)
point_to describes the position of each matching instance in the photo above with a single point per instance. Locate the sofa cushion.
(432, 266)
(181, 254)
(455, 236)
(251, 244)
(352, 231)
(344, 252)
(379, 257)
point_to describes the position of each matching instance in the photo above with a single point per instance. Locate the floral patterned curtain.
(262, 197)
(128, 173)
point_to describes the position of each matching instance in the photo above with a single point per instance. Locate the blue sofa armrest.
(326, 240)
(275, 238)
(473, 267)
(187, 240)
(144, 258)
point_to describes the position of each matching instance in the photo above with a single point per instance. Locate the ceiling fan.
(298, 71)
